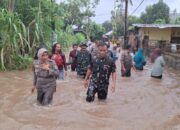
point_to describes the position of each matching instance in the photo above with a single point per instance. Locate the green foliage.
(117, 22)
(67, 39)
(13, 42)
(107, 25)
(160, 21)
(78, 11)
(177, 21)
(79, 38)
(159, 10)
(96, 31)
(28, 24)
(132, 20)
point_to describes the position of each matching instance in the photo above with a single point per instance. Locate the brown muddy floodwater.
(139, 103)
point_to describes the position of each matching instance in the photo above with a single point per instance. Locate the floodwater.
(139, 103)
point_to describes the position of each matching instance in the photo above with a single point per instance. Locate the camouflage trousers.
(100, 89)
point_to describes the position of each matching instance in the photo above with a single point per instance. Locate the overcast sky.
(103, 10)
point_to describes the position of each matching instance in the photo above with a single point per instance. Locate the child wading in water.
(100, 70)
(45, 73)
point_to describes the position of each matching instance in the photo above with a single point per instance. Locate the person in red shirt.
(72, 57)
(60, 59)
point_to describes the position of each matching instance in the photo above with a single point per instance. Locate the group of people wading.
(95, 63)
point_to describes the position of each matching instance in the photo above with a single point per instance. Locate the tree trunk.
(11, 5)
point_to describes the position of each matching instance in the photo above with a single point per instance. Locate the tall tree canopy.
(159, 10)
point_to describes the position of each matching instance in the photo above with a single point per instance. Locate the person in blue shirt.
(139, 60)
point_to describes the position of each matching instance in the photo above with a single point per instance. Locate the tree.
(79, 11)
(28, 26)
(160, 21)
(125, 16)
(159, 10)
(177, 21)
(107, 25)
(132, 20)
(96, 31)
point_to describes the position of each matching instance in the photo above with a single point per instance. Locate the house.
(168, 33)
(164, 36)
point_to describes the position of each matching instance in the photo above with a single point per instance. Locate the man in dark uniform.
(100, 70)
(83, 60)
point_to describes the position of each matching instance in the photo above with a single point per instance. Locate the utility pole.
(126, 23)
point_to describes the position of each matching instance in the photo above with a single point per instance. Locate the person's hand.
(45, 66)
(124, 70)
(86, 83)
(33, 88)
(54, 57)
(113, 87)
(65, 73)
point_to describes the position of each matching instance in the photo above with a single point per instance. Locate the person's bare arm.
(87, 77)
(113, 82)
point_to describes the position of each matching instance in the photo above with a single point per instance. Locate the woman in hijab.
(45, 73)
(158, 63)
(139, 59)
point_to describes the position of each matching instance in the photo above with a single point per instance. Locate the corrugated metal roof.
(161, 26)
(109, 33)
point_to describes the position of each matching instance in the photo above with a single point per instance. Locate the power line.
(137, 7)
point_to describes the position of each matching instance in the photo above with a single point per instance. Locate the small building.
(168, 33)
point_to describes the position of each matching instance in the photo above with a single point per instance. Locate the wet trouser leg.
(45, 96)
(61, 75)
(40, 95)
(91, 92)
(102, 92)
(128, 72)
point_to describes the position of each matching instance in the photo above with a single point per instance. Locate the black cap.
(83, 44)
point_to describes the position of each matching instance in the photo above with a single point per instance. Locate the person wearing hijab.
(44, 79)
(139, 60)
(158, 63)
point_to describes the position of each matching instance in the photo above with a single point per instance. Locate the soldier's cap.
(83, 44)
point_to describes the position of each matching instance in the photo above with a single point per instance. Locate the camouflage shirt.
(83, 61)
(102, 69)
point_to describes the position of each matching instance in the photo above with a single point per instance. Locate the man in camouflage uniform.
(100, 70)
(83, 60)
